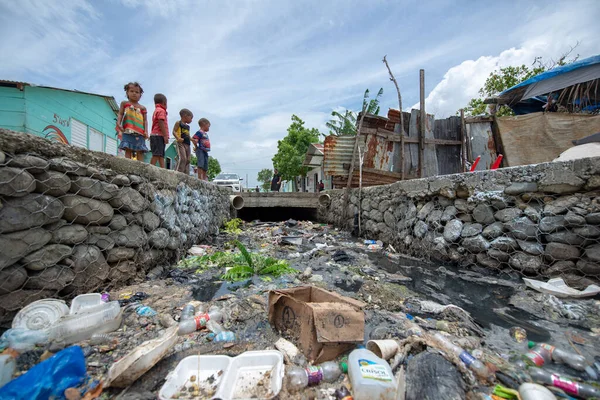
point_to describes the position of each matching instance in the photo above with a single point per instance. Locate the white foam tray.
(234, 378)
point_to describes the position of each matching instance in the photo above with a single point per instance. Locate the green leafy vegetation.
(344, 123)
(233, 226)
(247, 265)
(292, 149)
(265, 176)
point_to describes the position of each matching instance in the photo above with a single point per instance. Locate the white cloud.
(547, 35)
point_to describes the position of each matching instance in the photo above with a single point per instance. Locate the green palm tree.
(345, 123)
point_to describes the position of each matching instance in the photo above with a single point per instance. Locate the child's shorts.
(133, 142)
(157, 145)
(202, 157)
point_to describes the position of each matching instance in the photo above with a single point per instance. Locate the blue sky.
(249, 65)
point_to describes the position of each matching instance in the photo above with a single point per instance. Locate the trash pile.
(299, 310)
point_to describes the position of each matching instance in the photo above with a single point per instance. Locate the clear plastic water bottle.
(371, 376)
(221, 335)
(471, 362)
(299, 378)
(78, 327)
(198, 322)
(582, 390)
(296, 378)
(561, 356)
(188, 312)
(537, 356)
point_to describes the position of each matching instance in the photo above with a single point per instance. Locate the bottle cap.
(344, 366)
(531, 344)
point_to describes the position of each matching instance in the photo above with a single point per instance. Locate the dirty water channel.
(394, 288)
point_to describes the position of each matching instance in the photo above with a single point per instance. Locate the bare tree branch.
(397, 90)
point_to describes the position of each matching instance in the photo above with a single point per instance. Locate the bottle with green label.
(371, 376)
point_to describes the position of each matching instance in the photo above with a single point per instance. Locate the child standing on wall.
(159, 136)
(132, 122)
(202, 147)
(181, 131)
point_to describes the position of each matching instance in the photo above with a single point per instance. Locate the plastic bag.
(50, 378)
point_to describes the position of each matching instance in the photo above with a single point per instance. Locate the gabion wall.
(538, 220)
(74, 221)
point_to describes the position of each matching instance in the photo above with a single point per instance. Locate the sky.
(248, 66)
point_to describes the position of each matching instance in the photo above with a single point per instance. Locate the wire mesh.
(531, 234)
(68, 228)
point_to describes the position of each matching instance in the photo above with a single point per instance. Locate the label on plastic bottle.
(466, 358)
(372, 370)
(201, 320)
(548, 347)
(565, 384)
(536, 358)
(315, 375)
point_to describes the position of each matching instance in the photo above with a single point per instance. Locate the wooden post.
(351, 171)
(402, 154)
(463, 145)
(422, 124)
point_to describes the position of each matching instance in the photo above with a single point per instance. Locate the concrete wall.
(74, 221)
(538, 220)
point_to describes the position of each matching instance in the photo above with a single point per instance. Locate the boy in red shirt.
(159, 136)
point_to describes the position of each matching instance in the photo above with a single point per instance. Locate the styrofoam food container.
(202, 367)
(84, 301)
(234, 378)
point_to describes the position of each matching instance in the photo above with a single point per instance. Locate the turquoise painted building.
(68, 116)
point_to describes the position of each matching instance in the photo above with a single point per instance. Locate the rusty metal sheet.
(378, 153)
(337, 152)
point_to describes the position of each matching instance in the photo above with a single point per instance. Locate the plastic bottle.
(471, 362)
(371, 377)
(561, 356)
(78, 327)
(199, 321)
(23, 340)
(188, 312)
(343, 394)
(537, 356)
(582, 390)
(299, 378)
(7, 368)
(221, 335)
(145, 311)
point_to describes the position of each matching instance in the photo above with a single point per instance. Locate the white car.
(229, 180)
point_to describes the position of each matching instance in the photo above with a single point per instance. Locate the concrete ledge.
(275, 199)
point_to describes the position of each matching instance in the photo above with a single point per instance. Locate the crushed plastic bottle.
(299, 378)
(471, 362)
(221, 335)
(582, 390)
(99, 339)
(23, 340)
(561, 356)
(78, 327)
(187, 312)
(199, 321)
(371, 377)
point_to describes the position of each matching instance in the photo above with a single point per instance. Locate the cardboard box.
(322, 323)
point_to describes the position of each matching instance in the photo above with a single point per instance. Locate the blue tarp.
(553, 81)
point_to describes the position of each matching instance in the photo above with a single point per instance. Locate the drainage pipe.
(324, 200)
(236, 201)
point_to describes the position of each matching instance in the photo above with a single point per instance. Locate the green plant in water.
(233, 226)
(255, 264)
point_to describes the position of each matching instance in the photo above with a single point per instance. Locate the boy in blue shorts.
(202, 147)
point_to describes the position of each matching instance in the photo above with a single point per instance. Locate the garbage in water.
(295, 240)
(559, 288)
(438, 330)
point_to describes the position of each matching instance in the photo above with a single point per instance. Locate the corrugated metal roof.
(109, 99)
(337, 152)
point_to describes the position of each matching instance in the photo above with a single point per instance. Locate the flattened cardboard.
(323, 323)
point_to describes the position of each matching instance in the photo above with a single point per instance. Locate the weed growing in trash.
(233, 226)
(255, 264)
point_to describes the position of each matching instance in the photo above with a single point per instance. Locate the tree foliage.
(214, 168)
(507, 77)
(265, 176)
(292, 149)
(345, 123)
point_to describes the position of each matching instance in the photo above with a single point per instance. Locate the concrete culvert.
(237, 201)
(324, 200)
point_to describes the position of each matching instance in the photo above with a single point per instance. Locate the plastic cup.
(385, 349)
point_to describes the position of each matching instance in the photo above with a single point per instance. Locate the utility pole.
(422, 125)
